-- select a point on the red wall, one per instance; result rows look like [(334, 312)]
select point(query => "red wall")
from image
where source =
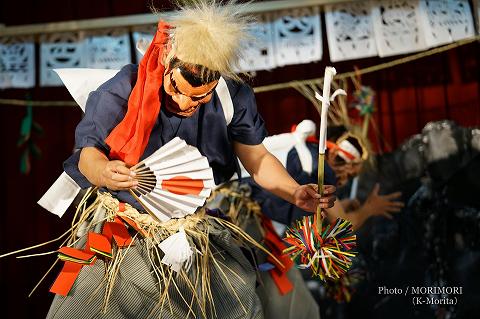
[(408, 96)]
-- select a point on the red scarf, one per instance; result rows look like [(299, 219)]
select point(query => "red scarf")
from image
[(129, 138)]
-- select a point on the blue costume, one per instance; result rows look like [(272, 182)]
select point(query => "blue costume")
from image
[(107, 106), (136, 290)]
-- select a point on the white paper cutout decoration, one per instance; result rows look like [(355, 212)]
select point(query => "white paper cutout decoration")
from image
[(143, 35), (177, 251), (297, 36), (397, 25), (174, 181), (259, 51), (446, 21), (350, 31), (17, 63), (108, 49), (61, 50)]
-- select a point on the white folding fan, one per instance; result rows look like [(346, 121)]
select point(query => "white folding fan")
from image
[(174, 181)]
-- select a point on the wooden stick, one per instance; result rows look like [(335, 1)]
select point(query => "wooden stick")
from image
[(145, 189), (147, 181), (325, 99), (148, 185), (141, 170), (321, 175), (145, 176)]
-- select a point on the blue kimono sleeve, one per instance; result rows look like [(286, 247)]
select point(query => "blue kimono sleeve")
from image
[(104, 110), (247, 126)]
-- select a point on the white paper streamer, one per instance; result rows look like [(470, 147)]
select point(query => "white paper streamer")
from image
[(259, 51), (303, 130), (17, 63), (354, 188), (177, 251), (61, 50), (326, 98), (81, 82), (60, 195), (350, 31), (109, 49), (397, 25), (446, 21), (297, 36)]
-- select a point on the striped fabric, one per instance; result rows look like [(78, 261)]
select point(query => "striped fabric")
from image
[(136, 290), (297, 304)]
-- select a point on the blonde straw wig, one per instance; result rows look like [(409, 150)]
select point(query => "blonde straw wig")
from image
[(209, 34)]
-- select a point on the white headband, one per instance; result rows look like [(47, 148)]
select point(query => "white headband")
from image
[(348, 147)]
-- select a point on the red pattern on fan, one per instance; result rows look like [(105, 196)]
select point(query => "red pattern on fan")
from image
[(183, 185)]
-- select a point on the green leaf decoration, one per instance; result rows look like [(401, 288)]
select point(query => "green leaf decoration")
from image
[(35, 150), (27, 127), (25, 162)]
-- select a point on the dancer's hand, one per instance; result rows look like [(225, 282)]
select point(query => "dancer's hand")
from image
[(307, 198), (382, 205), (116, 176)]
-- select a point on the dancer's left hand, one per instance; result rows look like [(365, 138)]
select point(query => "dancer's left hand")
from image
[(307, 198)]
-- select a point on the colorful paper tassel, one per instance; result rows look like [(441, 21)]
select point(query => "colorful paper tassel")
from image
[(328, 252)]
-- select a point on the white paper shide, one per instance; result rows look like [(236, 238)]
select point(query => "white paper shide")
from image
[(177, 251)]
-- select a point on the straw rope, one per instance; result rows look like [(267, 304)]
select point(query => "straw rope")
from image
[(371, 69)]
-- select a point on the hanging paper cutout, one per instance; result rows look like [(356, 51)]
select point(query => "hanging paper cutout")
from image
[(142, 37), (297, 36), (397, 26), (58, 51), (446, 21), (259, 52), (350, 31), (17, 63), (108, 49)]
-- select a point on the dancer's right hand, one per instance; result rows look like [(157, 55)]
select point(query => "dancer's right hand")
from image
[(117, 176), (102, 172)]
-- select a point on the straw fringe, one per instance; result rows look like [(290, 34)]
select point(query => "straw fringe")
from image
[(106, 208), (196, 227)]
